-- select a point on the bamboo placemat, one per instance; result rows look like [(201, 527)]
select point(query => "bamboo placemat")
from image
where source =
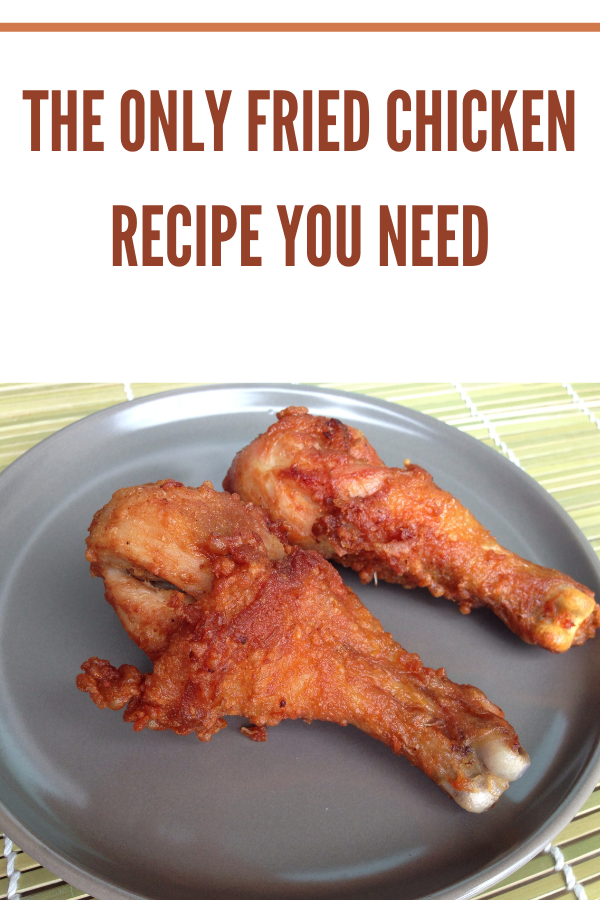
[(551, 430)]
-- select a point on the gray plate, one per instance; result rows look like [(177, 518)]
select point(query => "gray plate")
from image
[(319, 810)]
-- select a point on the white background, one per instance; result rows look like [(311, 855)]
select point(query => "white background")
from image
[(529, 312)]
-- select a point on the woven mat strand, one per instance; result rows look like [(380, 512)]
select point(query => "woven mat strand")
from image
[(550, 430)]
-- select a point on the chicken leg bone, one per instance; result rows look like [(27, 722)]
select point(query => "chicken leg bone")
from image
[(274, 633), (329, 485)]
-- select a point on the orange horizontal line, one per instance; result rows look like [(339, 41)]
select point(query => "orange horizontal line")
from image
[(302, 26)]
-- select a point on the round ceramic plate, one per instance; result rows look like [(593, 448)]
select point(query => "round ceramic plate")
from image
[(316, 811)]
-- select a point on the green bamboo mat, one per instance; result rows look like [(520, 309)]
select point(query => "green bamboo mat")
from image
[(551, 430)]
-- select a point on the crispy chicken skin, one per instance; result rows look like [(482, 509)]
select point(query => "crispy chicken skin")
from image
[(329, 485), (149, 545), (237, 622)]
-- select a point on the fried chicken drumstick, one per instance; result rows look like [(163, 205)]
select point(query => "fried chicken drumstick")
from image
[(238, 622), (329, 485)]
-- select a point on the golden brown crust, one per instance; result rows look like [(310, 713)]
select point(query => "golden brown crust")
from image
[(149, 580), (326, 481), (279, 636), (107, 686)]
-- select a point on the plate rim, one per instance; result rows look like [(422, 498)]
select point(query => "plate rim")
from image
[(82, 879)]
